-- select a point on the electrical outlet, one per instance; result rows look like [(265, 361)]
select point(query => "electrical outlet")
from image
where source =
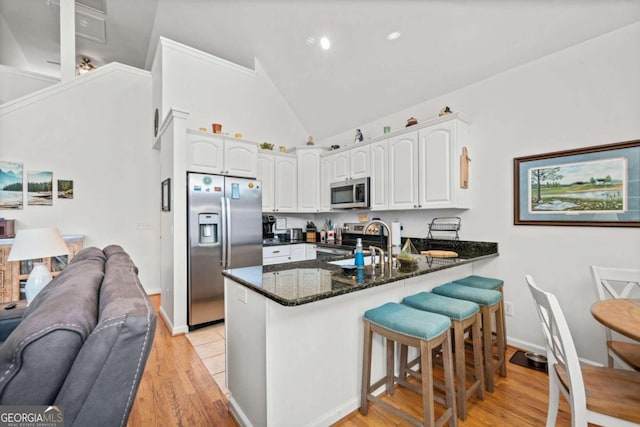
[(508, 308), (143, 226), (242, 294)]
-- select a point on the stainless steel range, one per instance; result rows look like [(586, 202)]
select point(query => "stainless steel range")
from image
[(351, 231)]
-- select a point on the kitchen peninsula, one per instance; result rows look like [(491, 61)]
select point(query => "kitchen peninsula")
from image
[(294, 333)]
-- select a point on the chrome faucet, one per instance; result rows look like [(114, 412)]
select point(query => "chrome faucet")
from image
[(389, 240), (373, 250)]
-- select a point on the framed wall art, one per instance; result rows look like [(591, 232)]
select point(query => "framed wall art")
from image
[(39, 188), (166, 195), (592, 186), (11, 185)]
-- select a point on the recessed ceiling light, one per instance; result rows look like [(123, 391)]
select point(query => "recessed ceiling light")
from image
[(392, 36), (325, 43)]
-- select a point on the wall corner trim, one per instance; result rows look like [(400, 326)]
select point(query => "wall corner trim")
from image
[(173, 113)]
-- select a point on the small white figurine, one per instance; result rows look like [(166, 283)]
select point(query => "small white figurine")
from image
[(359, 137)]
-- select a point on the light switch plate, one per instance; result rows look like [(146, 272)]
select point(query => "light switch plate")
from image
[(242, 294)]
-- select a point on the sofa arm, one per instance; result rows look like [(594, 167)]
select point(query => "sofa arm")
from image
[(9, 320)]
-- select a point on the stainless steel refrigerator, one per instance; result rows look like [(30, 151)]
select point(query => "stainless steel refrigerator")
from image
[(225, 231)]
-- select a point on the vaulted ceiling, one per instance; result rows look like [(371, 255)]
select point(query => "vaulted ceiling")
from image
[(442, 45)]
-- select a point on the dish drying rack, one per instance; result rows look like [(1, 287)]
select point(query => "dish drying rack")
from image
[(448, 225)]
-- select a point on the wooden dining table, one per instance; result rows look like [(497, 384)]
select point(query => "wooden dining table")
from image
[(621, 315)]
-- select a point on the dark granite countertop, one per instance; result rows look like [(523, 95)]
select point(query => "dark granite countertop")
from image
[(297, 283)]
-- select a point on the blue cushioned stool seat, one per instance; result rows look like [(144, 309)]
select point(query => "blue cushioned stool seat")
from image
[(455, 309), (408, 321), (481, 282), (484, 297)]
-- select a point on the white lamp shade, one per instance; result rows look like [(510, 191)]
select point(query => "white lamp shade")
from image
[(36, 243)]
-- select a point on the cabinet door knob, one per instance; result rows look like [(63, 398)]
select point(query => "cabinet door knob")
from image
[(415, 206)]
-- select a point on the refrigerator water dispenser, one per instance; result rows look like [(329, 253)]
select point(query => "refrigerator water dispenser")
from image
[(209, 225)]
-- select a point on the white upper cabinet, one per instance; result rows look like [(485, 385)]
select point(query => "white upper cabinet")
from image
[(425, 165), (220, 155), (326, 176), (403, 171), (286, 184), (240, 158), (266, 174), (278, 173), (379, 191), (205, 154), (308, 180), (350, 164), (359, 158)]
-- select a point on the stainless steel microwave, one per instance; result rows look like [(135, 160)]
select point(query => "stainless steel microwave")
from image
[(350, 194)]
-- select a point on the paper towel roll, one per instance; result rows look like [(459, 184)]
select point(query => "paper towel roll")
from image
[(395, 240)]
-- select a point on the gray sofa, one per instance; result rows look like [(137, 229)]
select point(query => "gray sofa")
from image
[(82, 343)]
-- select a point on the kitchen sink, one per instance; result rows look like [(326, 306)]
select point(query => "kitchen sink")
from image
[(350, 261)]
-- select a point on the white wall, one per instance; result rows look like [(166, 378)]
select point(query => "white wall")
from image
[(582, 96), (93, 130), (213, 90), (15, 83)]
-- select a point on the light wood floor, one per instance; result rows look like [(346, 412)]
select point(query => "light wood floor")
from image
[(177, 389)]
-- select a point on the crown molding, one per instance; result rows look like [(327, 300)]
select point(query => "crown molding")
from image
[(30, 74), (57, 88), (188, 50)]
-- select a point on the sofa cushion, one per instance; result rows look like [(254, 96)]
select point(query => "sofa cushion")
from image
[(113, 357), (46, 342)]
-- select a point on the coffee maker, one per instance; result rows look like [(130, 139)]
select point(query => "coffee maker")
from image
[(267, 226)]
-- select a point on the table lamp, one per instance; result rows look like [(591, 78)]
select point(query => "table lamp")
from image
[(36, 243)]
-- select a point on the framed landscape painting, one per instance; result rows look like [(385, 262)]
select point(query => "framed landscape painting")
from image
[(39, 188), (10, 185), (593, 186)]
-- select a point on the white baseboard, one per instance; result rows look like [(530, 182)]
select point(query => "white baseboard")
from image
[(525, 345), (238, 414)]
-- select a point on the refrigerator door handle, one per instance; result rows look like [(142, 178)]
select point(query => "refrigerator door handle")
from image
[(225, 237), (228, 232)]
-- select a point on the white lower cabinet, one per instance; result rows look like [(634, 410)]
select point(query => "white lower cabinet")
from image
[(288, 253), (298, 252), (310, 251), (276, 254)]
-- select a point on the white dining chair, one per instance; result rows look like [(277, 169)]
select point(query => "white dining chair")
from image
[(598, 395), (618, 283)]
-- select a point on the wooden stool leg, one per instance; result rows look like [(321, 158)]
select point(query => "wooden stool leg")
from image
[(391, 351), (366, 368), (487, 347), (461, 374), (404, 359), (502, 343), (426, 366), (449, 386), (477, 354)]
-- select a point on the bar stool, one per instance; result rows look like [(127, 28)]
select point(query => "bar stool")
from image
[(415, 328), (481, 282), (489, 302), (463, 315)]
